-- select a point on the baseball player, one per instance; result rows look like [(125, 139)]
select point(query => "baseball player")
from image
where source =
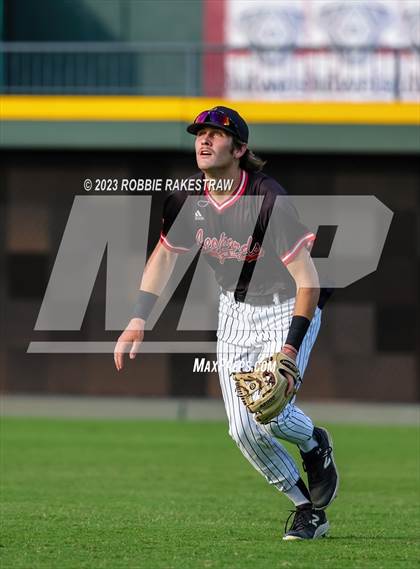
[(270, 301)]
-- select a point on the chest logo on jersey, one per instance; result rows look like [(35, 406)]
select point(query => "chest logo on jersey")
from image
[(224, 247), (198, 216)]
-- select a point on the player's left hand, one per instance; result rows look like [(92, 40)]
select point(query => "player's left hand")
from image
[(264, 390)]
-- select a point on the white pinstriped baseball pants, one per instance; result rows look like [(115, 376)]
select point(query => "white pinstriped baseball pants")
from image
[(246, 334)]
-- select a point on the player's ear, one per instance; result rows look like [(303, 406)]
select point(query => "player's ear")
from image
[(239, 151)]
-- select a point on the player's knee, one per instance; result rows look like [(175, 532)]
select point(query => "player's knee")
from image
[(277, 427), (272, 429), (281, 419)]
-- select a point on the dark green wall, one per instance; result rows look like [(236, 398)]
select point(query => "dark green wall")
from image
[(62, 20), (114, 135), (164, 20), (99, 20)]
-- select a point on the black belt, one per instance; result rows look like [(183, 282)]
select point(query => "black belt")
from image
[(260, 300)]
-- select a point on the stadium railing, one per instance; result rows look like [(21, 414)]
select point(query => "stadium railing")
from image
[(151, 69)]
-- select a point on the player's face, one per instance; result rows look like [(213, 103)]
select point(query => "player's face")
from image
[(213, 149)]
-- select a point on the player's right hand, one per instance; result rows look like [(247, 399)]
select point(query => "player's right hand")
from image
[(129, 342)]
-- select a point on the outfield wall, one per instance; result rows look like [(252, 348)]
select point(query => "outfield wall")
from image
[(76, 122)]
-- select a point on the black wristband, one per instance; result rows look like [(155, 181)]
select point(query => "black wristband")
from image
[(144, 305), (297, 331)]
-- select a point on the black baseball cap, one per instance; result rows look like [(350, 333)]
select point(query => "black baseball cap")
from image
[(224, 118)]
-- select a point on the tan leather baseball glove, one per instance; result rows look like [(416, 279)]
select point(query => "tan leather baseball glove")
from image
[(263, 390)]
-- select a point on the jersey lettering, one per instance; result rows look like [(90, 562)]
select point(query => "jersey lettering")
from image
[(224, 247)]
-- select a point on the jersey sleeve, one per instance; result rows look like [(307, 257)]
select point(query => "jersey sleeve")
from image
[(176, 233), (285, 232)]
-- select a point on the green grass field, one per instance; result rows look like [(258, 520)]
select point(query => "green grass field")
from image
[(124, 494)]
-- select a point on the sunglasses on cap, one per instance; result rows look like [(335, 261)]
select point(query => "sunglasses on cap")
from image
[(217, 118)]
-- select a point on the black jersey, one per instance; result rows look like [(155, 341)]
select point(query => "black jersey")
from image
[(233, 236)]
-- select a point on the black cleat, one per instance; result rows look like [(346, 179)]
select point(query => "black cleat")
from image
[(321, 470), (308, 523)]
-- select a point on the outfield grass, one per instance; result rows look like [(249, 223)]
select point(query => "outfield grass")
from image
[(150, 495)]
